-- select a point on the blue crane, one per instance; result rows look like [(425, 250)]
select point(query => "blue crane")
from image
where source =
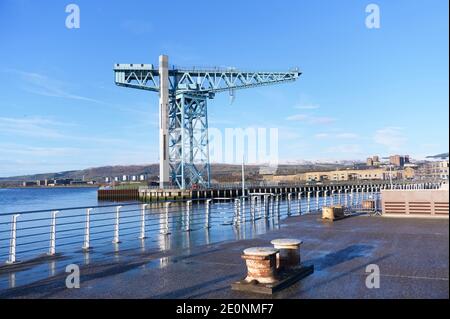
[(183, 95)]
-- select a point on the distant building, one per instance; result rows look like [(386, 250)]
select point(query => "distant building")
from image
[(369, 161), (59, 182), (142, 177), (116, 179), (399, 160), (29, 183), (124, 178), (78, 182), (134, 178), (42, 182)]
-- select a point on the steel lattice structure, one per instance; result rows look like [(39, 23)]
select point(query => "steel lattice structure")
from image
[(183, 94)]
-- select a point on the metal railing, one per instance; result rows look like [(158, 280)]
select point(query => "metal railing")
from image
[(27, 235)]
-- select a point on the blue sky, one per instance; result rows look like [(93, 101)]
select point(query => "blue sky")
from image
[(362, 92)]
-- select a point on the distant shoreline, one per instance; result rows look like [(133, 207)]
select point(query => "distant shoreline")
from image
[(60, 186)]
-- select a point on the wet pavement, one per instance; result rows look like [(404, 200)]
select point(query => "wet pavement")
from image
[(412, 255)]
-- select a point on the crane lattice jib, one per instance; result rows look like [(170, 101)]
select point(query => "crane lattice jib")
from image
[(199, 81)]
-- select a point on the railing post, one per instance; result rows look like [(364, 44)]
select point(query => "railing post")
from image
[(308, 203), (12, 241), (87, 226), (352, 199), (277, 204), (208, 214), (346, 197), (317, 200), (252, 207), (235, 212), (289, 204), (165, 230), (325, 198), (332, 197), (142, 235), (52, 249), (299, 204), (265, 206), (188, 216), (339, 196), (242, 210), (116, 238)]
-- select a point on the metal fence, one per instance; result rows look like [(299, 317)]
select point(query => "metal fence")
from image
[(27, 235)]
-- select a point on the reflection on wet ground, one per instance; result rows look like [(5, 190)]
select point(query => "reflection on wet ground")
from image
[(46, 266)]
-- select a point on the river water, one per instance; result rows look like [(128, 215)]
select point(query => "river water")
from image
[(34, 229)]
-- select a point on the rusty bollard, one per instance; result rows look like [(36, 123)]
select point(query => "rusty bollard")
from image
[(289, 252), (261, 264)]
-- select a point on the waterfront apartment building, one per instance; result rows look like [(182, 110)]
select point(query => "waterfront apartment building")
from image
[(352, 175), (438, 170), (381, 173)]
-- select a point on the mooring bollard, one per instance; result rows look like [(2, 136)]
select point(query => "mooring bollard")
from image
[(289, 252), (116, 239), (289, 199), (52, 249), (142, 234), (12, 240), (208, 214), (261, 264), (86, 244)]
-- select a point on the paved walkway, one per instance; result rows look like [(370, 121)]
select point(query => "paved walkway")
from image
[(412, 255)]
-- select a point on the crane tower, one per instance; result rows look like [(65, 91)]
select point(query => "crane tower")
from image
[(183, 119)]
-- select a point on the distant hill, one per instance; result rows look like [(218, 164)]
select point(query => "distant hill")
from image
[(95, 173), (219, 172)]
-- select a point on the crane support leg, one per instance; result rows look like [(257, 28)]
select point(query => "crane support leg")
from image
[(188, 140), (163, 121)]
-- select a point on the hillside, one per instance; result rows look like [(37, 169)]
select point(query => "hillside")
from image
[(219, 172)]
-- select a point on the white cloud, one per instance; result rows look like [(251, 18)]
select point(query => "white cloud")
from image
[(311, 119), (391, 137), (47, 128), (30, 126), (42, 85)]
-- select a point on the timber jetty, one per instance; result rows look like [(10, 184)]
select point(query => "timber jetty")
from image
[(149, 194)]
